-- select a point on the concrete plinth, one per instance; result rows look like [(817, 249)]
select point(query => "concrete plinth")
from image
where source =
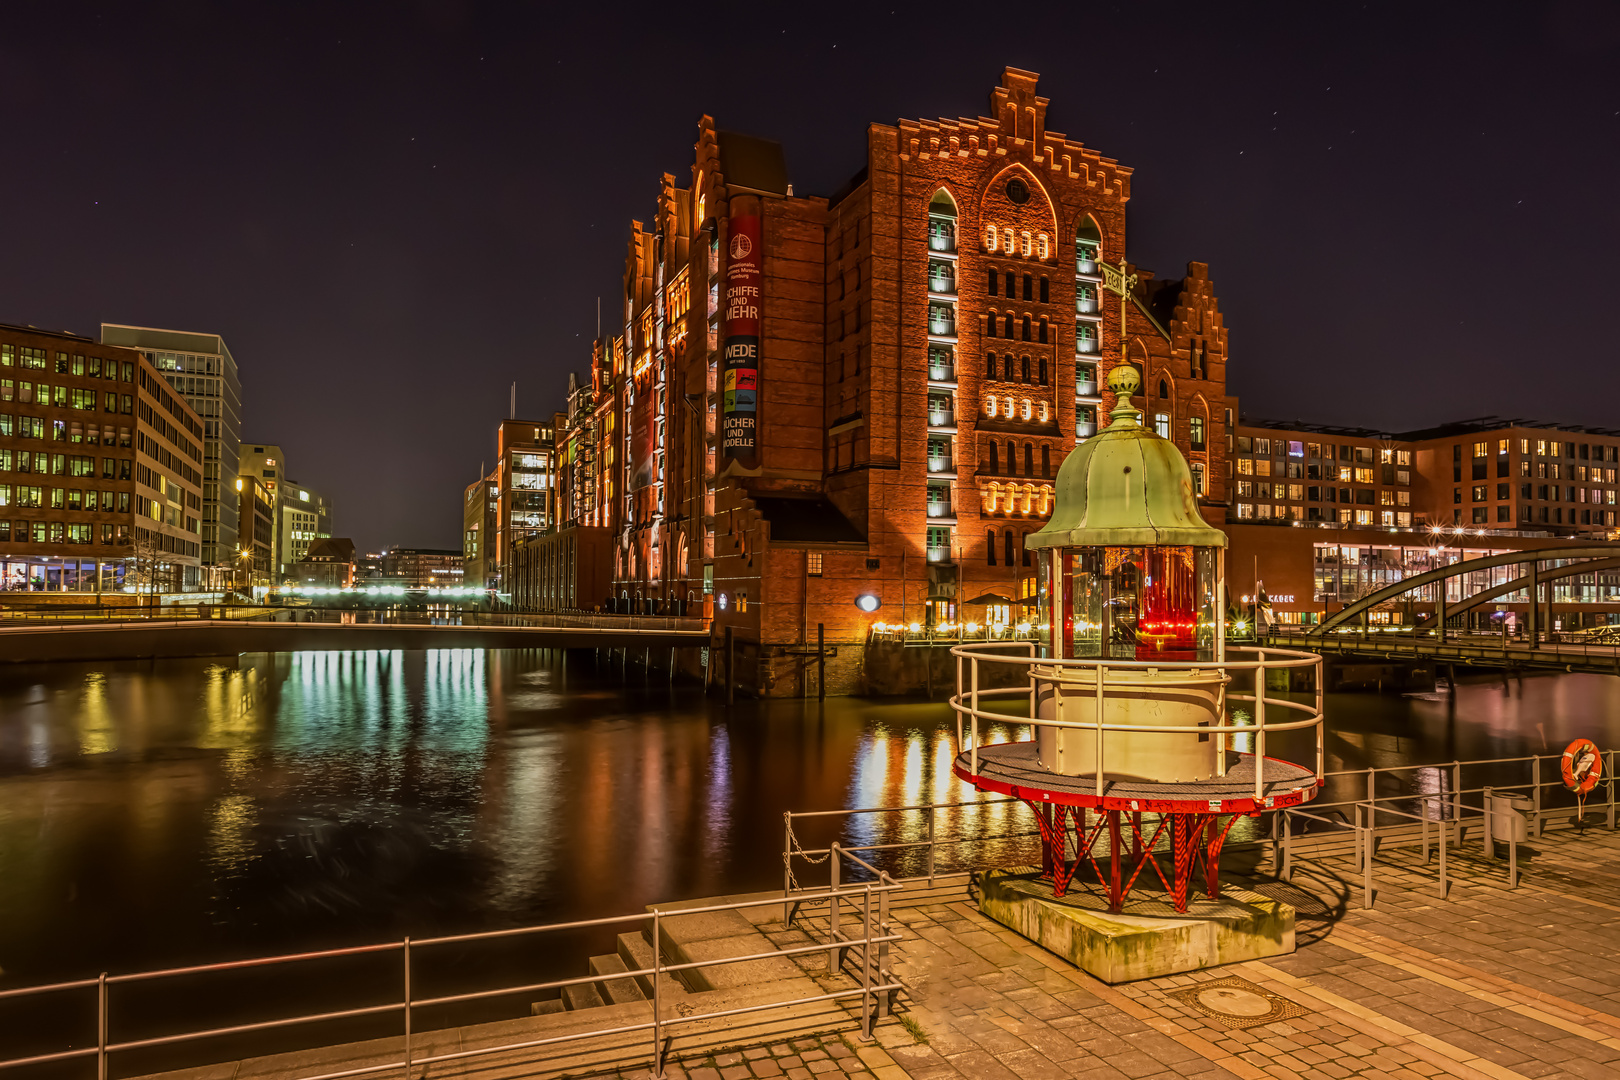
[(1149, 939)]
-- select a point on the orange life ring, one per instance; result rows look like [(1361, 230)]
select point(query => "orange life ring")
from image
[(1582, 766)]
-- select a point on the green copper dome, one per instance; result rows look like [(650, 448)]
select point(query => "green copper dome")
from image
[(1125, 486)]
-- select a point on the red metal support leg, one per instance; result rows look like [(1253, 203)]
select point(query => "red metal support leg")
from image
[(1116, 893), (1183, 840), (1212, 861)]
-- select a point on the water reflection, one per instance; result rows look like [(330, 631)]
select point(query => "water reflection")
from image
[(160, 813)]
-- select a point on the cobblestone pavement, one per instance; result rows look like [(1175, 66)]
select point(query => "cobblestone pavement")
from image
[(1489, 983), (826, 1058)]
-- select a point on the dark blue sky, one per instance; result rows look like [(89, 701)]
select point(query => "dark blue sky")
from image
[(393, 210)]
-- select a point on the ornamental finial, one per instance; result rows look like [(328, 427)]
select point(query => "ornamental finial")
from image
[(1124, 381)]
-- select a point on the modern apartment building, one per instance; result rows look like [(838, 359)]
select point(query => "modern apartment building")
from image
[(267, 465), (480, 502), (201, 368), (423, 568), (306, 516), (100, 469)]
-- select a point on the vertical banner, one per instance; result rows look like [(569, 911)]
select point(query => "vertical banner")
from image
[(741, 371)]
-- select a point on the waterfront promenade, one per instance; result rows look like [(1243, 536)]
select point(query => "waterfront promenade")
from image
[(1489, 983)]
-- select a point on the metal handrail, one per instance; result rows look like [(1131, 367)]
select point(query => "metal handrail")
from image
[(872, 990), (1263, 663)]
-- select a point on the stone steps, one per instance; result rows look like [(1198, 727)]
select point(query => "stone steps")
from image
[(615, 991)]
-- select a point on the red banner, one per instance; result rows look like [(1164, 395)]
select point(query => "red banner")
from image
[(740, 372)]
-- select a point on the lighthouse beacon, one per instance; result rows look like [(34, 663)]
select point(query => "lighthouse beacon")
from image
[(1148, 732)]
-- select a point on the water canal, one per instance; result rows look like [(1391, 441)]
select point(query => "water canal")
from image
[(155, 814)]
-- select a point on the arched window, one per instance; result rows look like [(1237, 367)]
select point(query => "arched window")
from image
[(1025, 249), (1007, 539), (1044, 249), (1012, 458), (989, 365), (1007, 242), (1164, 389), (1029, 459), (942, 222), (1046, 461), (992, 468), (1043, 369), (990, 236), (1029, 288), (990, 325), (990, 405), (1046, 290), (1087, 246), (992, 277), (1024, 372), (1007, 373), (1026, 327), (990, 545), (1012, 285), (1043, 332), (1008, 326)]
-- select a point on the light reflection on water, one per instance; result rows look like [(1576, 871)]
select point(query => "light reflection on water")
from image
[(161, 813)]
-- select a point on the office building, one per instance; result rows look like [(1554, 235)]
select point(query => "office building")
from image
[(101, 469), (201, 369), (306, 516), (423, 568)]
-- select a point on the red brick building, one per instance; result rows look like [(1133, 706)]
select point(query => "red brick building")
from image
[(810, 398)]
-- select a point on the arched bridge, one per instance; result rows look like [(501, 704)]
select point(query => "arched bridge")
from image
[(1444, 634)]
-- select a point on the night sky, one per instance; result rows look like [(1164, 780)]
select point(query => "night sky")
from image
[(392, 211)]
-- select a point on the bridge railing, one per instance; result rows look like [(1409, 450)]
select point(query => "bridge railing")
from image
[(177, 615)]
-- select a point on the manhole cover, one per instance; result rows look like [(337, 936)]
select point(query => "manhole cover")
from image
[(1237, 1003)]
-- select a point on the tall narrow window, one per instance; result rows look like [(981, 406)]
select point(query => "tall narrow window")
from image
[(992, 282), (1029, 459), (990, 546), (1029, 288), (1007, 540), (1046, 461), (1026, 327), (990, 325), (1012, 285), (1008, 325), (1043, 371), (991, 465), (1164, 389), (1043, 332), (1195, 433), (1012, 459), (1024, 369), (1007, 368), (989, 365), (1046, 291)]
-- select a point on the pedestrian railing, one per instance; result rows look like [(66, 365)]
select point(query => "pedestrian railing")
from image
[(1448, 810), (1302, 833), (868, 931)]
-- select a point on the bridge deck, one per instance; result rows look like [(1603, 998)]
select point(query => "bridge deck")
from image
[(1480, 649), (218, 637)]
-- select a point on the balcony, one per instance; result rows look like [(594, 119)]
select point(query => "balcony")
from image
[(941, 411), (942, 320), (1085, 429), (1085, 388), (941, 465), (942, 235), (1085, 258), (1085, 300), (941, 278), (1085, 340), (940, 554)]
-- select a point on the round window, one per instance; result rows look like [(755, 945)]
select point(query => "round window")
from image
[(1017, 191)]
